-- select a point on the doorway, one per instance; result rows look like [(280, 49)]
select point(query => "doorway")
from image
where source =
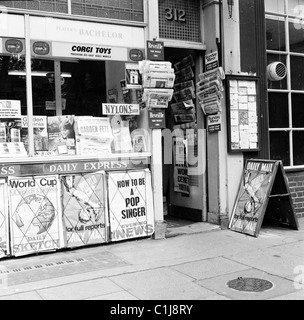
[(184, 184)]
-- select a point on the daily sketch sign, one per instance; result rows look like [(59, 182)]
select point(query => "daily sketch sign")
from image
[(263, 193)]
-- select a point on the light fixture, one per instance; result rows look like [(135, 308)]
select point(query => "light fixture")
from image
[(230, 7), (37, 73)]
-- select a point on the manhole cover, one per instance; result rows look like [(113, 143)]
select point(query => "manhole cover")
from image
[(250, 285)]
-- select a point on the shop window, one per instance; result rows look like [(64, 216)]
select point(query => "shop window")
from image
[(180, 20), (297, 73), (277, 6), (248, 37), (60, 6), (298, 111), (129, 10), (278, 110), (285, 43), (280, 85), (296, 37), (280, 147), (275, 35), (298, 148), (12, 84)]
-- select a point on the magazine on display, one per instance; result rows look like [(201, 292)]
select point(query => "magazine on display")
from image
[(40, 134), (61, 135)]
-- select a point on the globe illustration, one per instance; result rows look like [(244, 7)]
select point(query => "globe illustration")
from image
[(35, 211)]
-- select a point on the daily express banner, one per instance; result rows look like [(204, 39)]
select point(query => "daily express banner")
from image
[(35, 216), (85, 209), (130, 205), (4, 242)]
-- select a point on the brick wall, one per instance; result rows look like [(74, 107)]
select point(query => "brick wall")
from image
[(296, 185)]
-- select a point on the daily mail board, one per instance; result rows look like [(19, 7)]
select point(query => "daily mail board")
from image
[(35, 215), (130, 205), (85, 209)]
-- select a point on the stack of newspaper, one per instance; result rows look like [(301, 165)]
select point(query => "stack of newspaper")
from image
[(209, 90), (158, 82)]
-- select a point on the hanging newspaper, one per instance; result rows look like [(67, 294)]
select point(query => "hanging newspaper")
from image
[(158, 80), (85, 209), (35, 215), (4, 223), (158, 98), (133, 76), (146, 65), (130, 205), (183, 114)]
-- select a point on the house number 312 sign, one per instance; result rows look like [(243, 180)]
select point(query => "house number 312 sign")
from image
[(174, 14)]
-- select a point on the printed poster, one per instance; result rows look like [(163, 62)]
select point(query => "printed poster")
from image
[(253, 192), (85, 209), (4, 234), (130, 205), (35, 215)]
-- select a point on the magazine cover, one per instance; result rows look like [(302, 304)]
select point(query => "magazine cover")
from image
[(130, 205), (40, 134), (35, 215), (10, 130), (85, 209), (61, 135), (4, 234)]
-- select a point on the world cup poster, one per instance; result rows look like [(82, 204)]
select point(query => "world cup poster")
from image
[(4, 235), (130, 205), (35, 215), (85, 209)]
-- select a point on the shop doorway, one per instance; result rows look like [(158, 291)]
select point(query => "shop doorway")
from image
[(185, 186)]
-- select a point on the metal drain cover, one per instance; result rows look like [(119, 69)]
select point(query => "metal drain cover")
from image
[(250, 285)]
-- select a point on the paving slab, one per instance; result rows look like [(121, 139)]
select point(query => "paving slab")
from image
[(162, 284), (26, 296), (209, 268), (219, 285), (122, 295), (80, 290), (271, 260)]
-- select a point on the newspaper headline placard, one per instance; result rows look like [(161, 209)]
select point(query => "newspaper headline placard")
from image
[(263, 195), (35, 215), (10, 109), (85, 209), (93, 136), (4, 221), (130, 205)]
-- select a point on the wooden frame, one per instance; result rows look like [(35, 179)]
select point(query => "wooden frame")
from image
[(243, 113)]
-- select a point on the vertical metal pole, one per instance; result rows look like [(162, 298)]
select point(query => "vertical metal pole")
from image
[(58, 88), (29, 91)]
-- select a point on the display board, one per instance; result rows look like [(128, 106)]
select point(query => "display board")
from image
[(84, 209), (130, 205), (263, 195), (243, 114), (4, 234), (35, 215)]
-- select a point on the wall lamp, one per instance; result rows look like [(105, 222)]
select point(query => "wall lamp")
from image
[(230, 7)]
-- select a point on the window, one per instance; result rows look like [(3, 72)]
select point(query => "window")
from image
[(285, 43)]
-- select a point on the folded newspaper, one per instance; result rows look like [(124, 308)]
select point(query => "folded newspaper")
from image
[(158, 98)]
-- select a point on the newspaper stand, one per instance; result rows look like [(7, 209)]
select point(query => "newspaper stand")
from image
[(263, 195)]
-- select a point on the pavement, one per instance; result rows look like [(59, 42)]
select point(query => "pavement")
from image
[(195, 262)]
